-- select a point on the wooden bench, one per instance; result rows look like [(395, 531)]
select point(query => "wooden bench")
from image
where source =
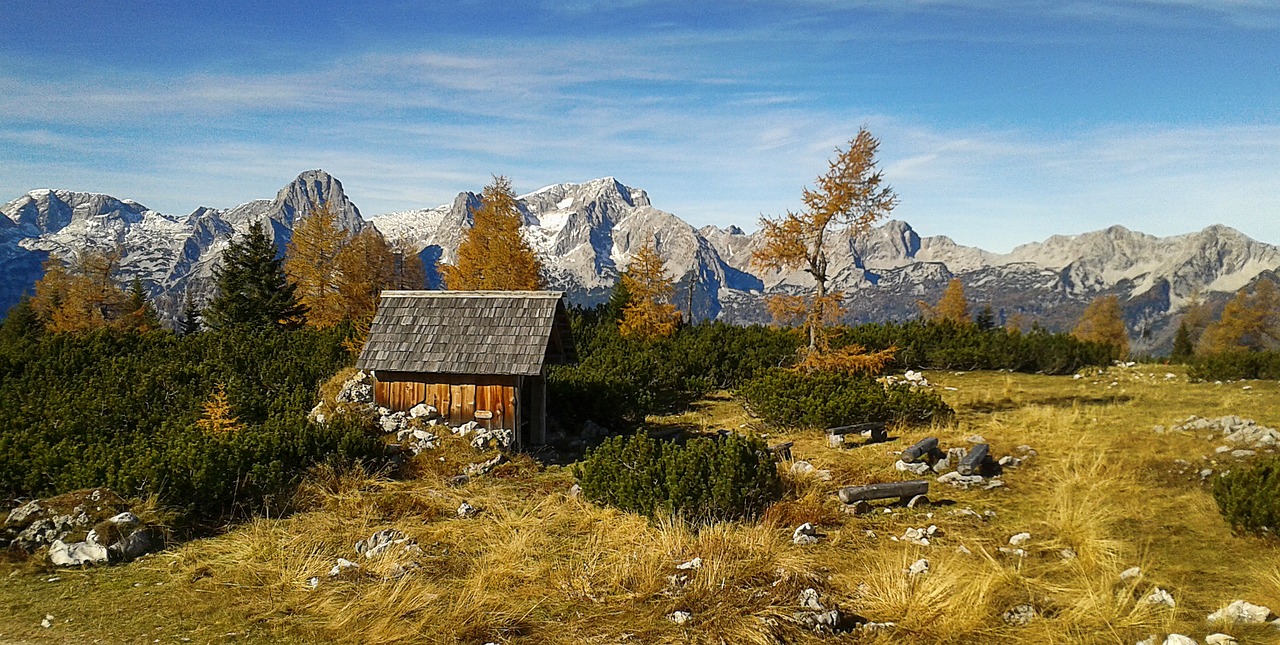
[(875, 429), (889, 490)]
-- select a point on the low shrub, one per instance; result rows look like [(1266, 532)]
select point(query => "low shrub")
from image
[(1249, 496), (793, 399), (703, 480), (123, 410), (1235, 366), (948, 345)]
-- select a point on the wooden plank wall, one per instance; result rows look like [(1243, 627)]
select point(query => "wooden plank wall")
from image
[(457, 401)]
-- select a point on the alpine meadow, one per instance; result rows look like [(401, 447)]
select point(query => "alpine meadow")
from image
[(567, 415)]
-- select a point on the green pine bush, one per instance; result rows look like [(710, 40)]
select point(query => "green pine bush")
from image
[(1235, 366), (704, 480), (792, 399), (1249, 496)]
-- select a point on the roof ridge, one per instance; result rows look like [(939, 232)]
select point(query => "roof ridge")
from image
[(471, 294)]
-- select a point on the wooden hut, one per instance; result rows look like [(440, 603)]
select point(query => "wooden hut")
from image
[(474, 355)]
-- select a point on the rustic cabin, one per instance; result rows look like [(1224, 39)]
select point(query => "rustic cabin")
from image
[(474, 355)]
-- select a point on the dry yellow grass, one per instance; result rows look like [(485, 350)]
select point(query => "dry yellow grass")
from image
[(537, 566)]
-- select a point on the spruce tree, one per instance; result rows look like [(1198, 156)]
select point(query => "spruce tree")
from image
[(252, 288), (986, 318), (1183, 348), (190, 317), (139, 313)]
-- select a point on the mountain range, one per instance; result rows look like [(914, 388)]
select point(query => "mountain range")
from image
[(586, 233)]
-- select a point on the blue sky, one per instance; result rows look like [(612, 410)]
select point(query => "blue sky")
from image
[(1001, 122)]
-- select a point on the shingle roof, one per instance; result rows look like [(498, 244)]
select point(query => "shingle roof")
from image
[(467, 332)]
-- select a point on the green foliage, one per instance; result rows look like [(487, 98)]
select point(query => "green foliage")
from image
[(620, 380), (1249, 496), (119, 409), (704, 480), (190, 322), (947, 345), (792, 399), (1234, 366), (1183, 347), (252, 288)]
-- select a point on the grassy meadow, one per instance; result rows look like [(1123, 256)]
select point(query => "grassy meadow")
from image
[(537, 565)]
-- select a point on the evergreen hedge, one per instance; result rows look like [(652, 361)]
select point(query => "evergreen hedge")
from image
[(792, 399), (1249, 496), (119, 409), (1235, 366), (701, 481), (960, 346)]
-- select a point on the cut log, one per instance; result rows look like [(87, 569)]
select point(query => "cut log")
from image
[(858, 428), (973, 461), (782, 451), (890, 490), (926, 446)]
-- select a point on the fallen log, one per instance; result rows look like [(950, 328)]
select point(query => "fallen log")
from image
[(858, 428), (889, 490), (926, 446), (782, 451), (973, 462)]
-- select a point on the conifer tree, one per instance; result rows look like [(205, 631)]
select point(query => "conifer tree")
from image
[(252, 288), (311, 263), (1183, 348), (190, 316), (649, 313), (365, 266), (79, 297), (20, 322), (1102, 322), (1250, 322), (139, 313), (850, 196), (408, 270), (494, 255), (986, 318), (218, 415), (952, 307)]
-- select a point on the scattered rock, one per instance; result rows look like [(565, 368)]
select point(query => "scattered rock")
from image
[(1179, 639), (917, 468), (835, 441), (378, 543), (805, 534), (1130, 574), (422, 410), (466, 510), (47, 621), (357, 389), (1158, 596), (1026, 451), (1009, 461), (483, 468), (679, 617), (1242, 453), (1020, 616), (920, 536), (977, 438), (575, 491), (918, 500), (1021, 553), (918, 568), (1019, 539), (809, 600), (462, 480), (801, 468), (1220, 639), (344, 570), (695, 563), (1240, 612), (961, 481), (77, 553), (964, 550), (1067, 553)]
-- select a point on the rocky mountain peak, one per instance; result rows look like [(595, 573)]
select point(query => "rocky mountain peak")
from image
[(313, 188)]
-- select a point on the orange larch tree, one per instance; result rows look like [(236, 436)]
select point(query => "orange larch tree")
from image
[(310, 262), (649, 312), (850, 196), (494, 255)]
